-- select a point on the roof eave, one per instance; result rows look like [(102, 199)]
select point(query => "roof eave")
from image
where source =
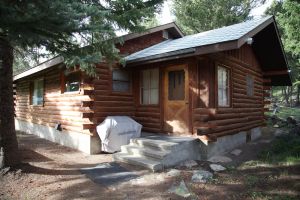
[(171, 25), (50, 63), (212, 48), (162, 57), (242, 40)]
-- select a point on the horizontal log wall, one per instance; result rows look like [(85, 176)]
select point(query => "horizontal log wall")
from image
[(82, 112), (245, 112), (107, 102), (110, 103), (67, 109)]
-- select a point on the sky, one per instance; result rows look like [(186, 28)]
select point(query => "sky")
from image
[(166, 15)]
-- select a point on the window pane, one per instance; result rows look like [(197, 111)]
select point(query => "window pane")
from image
[(145, 96), (220, 97), (121, 80), (154, 78), (120, 75), (38, 92), (149, 86), (176, 85), (146, 78), (154, 96), (223, 86), (121, 86), (250, 85)]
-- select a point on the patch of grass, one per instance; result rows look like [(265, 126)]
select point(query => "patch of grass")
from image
[(285, 112), (231, 169), (252, 164), (258, 195), (251, 180), (285, 150), (263, 196)]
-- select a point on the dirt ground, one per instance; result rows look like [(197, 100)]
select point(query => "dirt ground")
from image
[(51, 171)]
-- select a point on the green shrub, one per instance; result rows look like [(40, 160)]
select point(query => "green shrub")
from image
[(285, 149)]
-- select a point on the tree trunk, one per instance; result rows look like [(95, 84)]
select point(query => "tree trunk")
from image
[(290, 94), (298, 96), (286, 96), (8, 139)]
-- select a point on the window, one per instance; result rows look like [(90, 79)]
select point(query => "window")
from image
[(223, 87), (176, 85), (149, 86), (121, 80), (72, 81), (37, 92), (250, 85)]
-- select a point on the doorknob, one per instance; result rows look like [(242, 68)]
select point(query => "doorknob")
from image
[(186, 103)]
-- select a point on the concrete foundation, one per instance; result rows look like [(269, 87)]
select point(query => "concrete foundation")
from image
[(226, 143), (82, 142), (255, 133)]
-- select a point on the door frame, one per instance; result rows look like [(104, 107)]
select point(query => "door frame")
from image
[(165, 85)]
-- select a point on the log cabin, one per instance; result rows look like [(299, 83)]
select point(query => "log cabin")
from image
[(212, 85)]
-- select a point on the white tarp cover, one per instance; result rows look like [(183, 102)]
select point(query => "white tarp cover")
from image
[(116, 131)]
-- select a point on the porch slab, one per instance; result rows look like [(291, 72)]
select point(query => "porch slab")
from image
[(158, 151)]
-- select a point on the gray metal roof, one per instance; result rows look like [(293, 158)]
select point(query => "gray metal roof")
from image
[(188, 43)]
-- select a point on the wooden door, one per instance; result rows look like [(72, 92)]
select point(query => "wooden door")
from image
[(176, 104)]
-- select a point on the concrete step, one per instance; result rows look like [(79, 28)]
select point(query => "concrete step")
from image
[(151, 164), (156, 152), (144, 151), (154, 144)]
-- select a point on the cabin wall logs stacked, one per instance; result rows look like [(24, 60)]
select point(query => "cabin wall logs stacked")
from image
[(245, 112), (109, 103), (81, 112), (67, 109)]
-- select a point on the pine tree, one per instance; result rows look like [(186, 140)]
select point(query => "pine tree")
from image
[(61, 27), (195, 16)]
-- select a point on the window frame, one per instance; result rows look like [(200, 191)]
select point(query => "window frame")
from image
[(32, 92), (141, 88), (229, 86), (130, 82), (63, 81)]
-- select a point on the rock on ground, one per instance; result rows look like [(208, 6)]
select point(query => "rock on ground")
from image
[(173, 173), (219, 159), (236, 152), (180, 190), (279, 132), (201, 176), (276, 126), (217, 168), (265, 141)]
